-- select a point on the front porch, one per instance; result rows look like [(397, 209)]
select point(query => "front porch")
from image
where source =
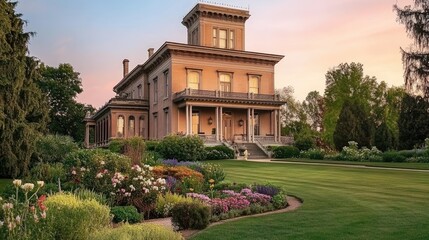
[(231, 124)]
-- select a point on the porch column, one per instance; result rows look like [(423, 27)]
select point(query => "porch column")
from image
[(87, 135), (109, 128), (248, 125), (279, 126), (217, 123), (253, 125), (221, 123), (187, 119), (275, 125), (190, 120)]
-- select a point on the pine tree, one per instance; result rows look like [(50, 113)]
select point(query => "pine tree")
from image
[(416, 60), (353, 124), (23, 108), (413, 122)]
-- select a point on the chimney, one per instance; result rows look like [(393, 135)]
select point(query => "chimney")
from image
[(125, 64), (150, 52)]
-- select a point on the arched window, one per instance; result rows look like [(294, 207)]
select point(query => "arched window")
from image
[(120, 125), (131, 126)]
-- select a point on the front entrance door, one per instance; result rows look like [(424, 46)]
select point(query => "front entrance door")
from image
[(227, 126)]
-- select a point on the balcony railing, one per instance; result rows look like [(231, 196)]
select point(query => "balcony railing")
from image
[(225, 95)]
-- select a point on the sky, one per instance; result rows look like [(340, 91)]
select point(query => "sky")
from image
[(94, 36)]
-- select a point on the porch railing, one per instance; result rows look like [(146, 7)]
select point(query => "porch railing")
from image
[(226, 95)]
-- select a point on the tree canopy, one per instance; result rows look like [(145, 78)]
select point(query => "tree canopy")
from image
[(416, 58), (23, 109)]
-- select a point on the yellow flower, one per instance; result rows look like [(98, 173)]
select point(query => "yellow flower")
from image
[(212, 186), (211, 181), (191, 189)]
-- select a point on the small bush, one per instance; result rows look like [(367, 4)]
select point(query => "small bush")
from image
[(279, 201), (219, 152), (195, 215), (117, 145), (71, 218), (49, 172), (151, 145), (166, 202), (286, 152), (125, 214), (54, 148), (393, 156), (188, 148), (146, 231), (267, 189), (305, 143), (178, 172), (85, 194), (312, 153), (212, 171)]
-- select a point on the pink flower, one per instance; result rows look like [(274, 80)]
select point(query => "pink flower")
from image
[(43, 215)]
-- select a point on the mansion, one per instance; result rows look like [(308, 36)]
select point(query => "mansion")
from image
[(209, 87)]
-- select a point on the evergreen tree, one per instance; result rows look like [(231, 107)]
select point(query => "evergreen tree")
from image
[(353, 124), (384, 138), (416, 59), (413, 122), (23, 109)]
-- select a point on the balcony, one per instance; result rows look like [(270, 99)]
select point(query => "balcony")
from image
[(219, 96)]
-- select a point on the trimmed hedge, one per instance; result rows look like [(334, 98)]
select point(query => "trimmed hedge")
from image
[(195, 215), (219, 152), (286, 152), (182, 148), (126, 214)]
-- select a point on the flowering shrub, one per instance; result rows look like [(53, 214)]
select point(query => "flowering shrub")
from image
[(353, 153), (140, 188), (178, 172), (26, 219), (167, 201), (253, 197), (313, 153), (267, 189), (212, 171)]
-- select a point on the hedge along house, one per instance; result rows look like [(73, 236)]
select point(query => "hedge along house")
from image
[(209, 87)]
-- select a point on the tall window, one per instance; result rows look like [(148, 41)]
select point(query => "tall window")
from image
[(253, 84), (223, 38), (193, 79), (131, 126), (155, 125), (141, 126), (139, 91), (166, 121), (166, 84), (214, 37), (195, 122), (231, 40), (120, 126), (155, 90), (225, 82)]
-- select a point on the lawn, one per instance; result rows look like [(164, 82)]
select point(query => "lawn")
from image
[(424, 166), (339, 203)]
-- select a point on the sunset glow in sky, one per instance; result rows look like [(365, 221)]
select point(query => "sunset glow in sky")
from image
[(95, 36)]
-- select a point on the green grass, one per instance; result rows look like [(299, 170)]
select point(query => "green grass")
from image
[(339, 203), (424, 166), (4, 183)]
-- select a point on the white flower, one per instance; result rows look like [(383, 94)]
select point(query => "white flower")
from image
[(18, 219), (1, 224), (132, 188), (82, 169), (43, 214), (36, 218), (150, 168), (40, 183), (145, 190), (17, 182), (102, 163), (155, 188), (99, 175), (127, 194), (140, 177), (1, 199), (7, 206), (73, 172), (11, 226), (135, 179), (27, 187)]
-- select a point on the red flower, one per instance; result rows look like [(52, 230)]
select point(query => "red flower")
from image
[(40, 201)]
